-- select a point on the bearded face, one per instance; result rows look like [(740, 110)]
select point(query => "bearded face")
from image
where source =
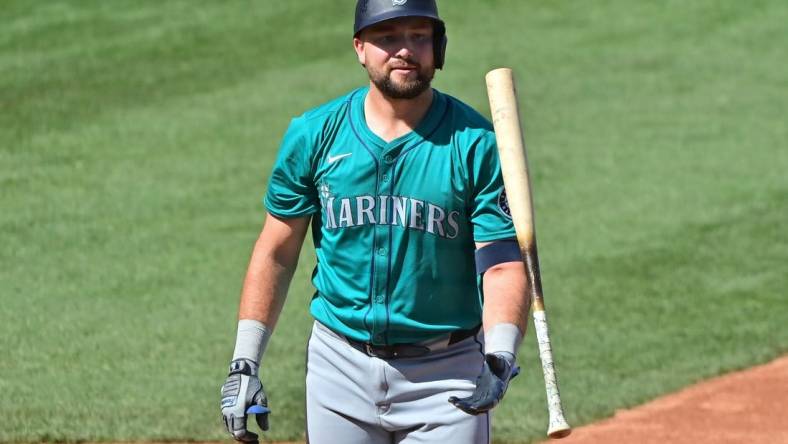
[(398, 55), (401, 79)]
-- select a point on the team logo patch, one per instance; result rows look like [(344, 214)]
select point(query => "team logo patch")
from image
[(324, 190), (398, 2), (503, 204)]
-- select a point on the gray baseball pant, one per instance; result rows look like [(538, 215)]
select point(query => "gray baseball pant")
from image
[(354, 398)]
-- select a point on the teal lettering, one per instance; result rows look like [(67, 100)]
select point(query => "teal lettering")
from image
[(415, 214), (382, 216), (345, 214), (329, 208), (435, 217), (398, 212), (453, 223), (362, 209)]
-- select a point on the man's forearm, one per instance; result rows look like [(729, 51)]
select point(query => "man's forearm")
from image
[(274, 260), (506, 299), (265, 286)]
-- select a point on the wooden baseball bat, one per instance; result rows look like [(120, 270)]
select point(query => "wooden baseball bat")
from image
[(514, 166)]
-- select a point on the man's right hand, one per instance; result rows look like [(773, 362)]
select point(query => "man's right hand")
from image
[(499, 368), (243, 393)]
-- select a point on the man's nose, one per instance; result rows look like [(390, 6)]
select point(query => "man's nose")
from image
[(405, 51)]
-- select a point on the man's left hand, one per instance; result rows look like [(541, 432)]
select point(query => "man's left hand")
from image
[(242, 394), (499, 368)]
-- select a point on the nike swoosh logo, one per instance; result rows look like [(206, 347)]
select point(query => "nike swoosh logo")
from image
[(332, 159)]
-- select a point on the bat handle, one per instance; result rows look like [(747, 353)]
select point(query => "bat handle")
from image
[(557, 425)]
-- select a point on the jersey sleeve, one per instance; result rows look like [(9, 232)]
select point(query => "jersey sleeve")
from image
[(291, 188), (489, 209)]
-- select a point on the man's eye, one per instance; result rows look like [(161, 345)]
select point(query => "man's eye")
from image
[(386, 39)]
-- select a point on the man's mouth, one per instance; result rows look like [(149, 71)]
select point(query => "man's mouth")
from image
[(404, 67)]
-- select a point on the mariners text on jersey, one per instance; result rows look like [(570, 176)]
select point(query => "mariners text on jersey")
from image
[(389, 210), (394, 222)]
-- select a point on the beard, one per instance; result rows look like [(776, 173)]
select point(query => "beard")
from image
[(405, 89)]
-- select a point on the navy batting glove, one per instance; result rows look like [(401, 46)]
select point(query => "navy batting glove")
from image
[(499, 368), (242, 394)]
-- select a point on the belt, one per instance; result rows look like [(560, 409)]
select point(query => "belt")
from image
[(396, 351)]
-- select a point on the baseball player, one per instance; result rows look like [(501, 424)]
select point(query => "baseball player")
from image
[(402, 188)]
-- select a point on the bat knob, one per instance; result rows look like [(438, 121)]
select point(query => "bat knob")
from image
[(558, 428), (561, 433)]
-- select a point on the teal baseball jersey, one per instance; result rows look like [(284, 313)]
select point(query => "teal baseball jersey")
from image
[(393, 223)]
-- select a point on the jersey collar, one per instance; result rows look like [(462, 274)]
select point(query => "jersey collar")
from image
[(423, 131)]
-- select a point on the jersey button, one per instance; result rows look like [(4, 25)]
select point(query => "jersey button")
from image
[(387, 158), (385, 178), (381, 251), (379, 298)]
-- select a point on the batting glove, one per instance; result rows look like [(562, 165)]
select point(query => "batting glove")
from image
[(242, 394), (499, 368)]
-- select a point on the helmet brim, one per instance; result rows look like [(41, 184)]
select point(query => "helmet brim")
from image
[(391, 15)]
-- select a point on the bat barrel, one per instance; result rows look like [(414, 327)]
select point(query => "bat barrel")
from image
[(511, 150)]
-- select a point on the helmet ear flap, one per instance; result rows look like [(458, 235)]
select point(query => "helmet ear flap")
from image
[(439, 45), (440, 52)]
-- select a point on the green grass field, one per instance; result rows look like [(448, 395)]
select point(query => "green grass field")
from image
[(136, 138)]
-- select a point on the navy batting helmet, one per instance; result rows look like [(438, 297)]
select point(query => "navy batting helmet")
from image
[(370, 12)]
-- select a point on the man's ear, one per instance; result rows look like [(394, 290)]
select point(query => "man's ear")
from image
[(358, 45)]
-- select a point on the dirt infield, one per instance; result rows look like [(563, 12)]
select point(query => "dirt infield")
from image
[(749, 406)]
